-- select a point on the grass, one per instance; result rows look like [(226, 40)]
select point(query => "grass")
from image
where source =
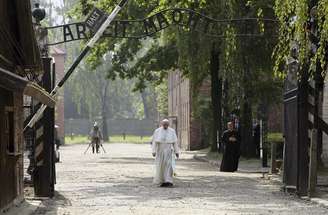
[(129, 139), (78, 139)]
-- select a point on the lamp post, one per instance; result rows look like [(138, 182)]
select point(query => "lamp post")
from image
[(41, 33), (38, 15)]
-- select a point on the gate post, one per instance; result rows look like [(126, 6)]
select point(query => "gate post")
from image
[(44, 148), (303, 134), (291, 122)]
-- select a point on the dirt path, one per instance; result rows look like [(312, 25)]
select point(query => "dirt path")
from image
[(120, 182)]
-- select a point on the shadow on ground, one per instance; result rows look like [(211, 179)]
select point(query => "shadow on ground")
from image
[(124, 179), (52, 205)]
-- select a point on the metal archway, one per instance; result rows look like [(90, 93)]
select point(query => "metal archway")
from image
[(185, 18)]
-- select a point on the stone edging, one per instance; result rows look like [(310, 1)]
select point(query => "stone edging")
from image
[(205, 159)]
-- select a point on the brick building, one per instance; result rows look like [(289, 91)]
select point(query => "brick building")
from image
[(188, 128), (325, 117), (59, 59)]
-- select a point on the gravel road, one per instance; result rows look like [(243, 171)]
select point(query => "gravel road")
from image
[(120, 182)]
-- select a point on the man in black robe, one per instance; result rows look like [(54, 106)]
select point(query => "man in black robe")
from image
[(231, 152), (257, 137)]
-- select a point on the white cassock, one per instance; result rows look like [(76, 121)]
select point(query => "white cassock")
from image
[(164, 143)]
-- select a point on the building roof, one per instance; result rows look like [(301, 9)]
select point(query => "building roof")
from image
[(19, 47), (15, 83), (11, 81), (56, 51)]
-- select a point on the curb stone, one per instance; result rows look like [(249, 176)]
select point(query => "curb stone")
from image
[(320, 201), (217, 164), (205, 159)]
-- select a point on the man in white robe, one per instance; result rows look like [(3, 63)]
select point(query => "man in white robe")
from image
[(164, 143)]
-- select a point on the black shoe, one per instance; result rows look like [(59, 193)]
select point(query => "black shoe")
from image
[(168, 184)]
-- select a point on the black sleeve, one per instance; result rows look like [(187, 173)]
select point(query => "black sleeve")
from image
[(224, 138), (238, 140)]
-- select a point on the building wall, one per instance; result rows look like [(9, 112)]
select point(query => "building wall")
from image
[(144, 127), (276, 118), (179, 106), (189, 129), (16, 21), (325, 118), (59, 57), (196, 126), (19, 141), (11, 160)]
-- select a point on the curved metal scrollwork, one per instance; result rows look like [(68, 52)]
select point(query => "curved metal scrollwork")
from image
[(185, 18)]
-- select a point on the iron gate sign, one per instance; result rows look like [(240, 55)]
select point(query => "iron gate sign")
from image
[(95, 19), (140, 28)]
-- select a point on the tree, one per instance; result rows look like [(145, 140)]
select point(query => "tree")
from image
[(104, 98), (216, 95), (191, 52), (244, 72), (303, 26)]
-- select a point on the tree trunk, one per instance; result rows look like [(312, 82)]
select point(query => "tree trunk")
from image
[(216, 93), (225, 100), (104, 126), (248, 148), (145, 104), (104, 112)]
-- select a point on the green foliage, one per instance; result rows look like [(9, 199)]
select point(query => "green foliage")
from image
[(80, 139), (92, 90), (245, 62), (131, 59), (130, 139), (76, 139), (293, 17), (275, 137), (162, 98)]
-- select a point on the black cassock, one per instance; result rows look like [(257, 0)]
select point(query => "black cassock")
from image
[(231, 151)]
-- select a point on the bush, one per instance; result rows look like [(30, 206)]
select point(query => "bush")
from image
[(275, 137)]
